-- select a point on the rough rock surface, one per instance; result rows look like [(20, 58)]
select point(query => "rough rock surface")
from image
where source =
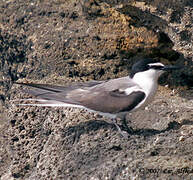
[(64, 41)]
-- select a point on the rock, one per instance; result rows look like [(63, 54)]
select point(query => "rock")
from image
[(60, 42)]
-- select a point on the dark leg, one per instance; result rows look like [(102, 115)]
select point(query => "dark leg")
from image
[(128, 129), (123, 133)]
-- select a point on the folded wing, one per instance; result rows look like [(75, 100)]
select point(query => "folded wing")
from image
[(107, 97)]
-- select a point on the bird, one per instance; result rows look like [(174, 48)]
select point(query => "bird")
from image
[(109, 98)]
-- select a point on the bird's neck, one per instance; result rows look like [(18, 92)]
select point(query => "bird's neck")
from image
[(147, 82)]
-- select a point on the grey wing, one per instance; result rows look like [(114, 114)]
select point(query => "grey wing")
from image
[(44, 91), (111, 96), (105, 96), (113, 101)]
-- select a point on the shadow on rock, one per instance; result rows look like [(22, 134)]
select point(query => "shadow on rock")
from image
[(171, 126), (86, 128)]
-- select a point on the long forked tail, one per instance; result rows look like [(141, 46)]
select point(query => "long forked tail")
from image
[(46, 95), (43, 103)]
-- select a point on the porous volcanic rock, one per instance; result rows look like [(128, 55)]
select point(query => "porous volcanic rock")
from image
[(65, 41)]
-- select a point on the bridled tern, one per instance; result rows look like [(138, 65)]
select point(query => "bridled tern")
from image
[(109, 97)]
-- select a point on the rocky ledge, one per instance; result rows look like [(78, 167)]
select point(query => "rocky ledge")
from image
[(64, 41)]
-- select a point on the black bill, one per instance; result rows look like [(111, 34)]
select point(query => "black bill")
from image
[(171, 67)]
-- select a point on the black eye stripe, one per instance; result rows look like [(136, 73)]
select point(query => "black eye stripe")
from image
[(156, 67)]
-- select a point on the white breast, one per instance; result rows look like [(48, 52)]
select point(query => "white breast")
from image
[(147, 81)]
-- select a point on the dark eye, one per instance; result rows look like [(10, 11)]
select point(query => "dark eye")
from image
[(148, 67)]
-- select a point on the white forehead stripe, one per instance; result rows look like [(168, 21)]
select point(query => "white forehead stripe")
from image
[(155, 64)]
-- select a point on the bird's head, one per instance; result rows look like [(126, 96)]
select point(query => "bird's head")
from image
[(150, 68)]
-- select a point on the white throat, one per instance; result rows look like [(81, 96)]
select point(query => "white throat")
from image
[(147, 80)]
